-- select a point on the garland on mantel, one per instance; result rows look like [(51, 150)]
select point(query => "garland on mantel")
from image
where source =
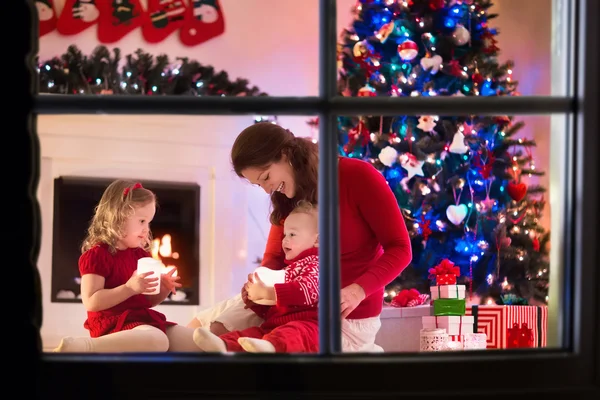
[(142, 74)]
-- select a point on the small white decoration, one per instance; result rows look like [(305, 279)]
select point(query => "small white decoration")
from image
[(456, 214), (458, 145), (432, 63), (388, 156)]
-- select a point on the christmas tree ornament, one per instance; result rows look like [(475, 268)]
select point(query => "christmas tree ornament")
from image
[(432, 64), (456, 213), (388, 156), (461, 35), (458, 145), (367, 91), (412, 166), (408, 50), (362, 49), (386, 31), (516, 190)]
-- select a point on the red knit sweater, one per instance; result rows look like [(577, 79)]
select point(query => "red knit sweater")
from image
[(374, 242), (298, 297)]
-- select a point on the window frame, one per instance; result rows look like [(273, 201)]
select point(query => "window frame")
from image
[(572, 369)]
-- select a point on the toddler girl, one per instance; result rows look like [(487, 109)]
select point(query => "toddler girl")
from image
[(119, 314)]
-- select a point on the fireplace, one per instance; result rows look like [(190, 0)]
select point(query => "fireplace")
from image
[(175, 230)]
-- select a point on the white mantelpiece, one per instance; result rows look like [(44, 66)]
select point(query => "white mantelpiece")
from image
[(159, 148)]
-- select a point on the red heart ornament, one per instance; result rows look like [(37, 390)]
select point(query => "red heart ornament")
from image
[(517, 191)]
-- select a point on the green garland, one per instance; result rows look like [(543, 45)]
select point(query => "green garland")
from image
[(141, 74)]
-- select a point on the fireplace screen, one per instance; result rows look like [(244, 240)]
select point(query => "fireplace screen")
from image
[(175, 229)]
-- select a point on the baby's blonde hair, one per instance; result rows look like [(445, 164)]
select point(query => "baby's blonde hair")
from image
[(306, 207), (118, 202)]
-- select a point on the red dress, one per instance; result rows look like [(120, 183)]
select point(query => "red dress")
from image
[(116, 269)]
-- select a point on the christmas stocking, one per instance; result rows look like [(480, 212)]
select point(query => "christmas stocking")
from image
[(204, 21), (46, 16), (166, 16), (77, 16), (118, 18)]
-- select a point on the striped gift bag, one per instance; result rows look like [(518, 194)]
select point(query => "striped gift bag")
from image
[(495, 321)]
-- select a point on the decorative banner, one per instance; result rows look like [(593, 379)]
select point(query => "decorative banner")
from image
[(204, 21), (46, 16), (77, 16), (166, 16), (118, 18)]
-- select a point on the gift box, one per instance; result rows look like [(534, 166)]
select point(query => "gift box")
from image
[(401, 327), (445, 279), (444, 273), (449, 307), (511, 326), (447, 292), (454, 325)]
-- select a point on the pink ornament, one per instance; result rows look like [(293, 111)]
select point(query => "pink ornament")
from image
[(408, 50)]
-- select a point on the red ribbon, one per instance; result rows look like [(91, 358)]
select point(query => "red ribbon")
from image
[(446, 267), (128, 189)]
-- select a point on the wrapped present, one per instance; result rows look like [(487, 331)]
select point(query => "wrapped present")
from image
[(455, 342), (409, 298), (474, 341), (444, 273), (511, 326), (447, 292), (449, 307), (433, 340), (400, 328), (454, 325)]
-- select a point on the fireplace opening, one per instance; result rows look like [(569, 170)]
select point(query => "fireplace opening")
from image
[(175, 230)]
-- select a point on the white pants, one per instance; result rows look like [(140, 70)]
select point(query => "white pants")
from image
[(358, 335)]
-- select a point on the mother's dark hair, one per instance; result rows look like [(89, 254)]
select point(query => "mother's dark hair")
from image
[(264, 143)]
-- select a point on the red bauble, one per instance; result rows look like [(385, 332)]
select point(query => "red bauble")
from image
[(516, 191), (408, 50)]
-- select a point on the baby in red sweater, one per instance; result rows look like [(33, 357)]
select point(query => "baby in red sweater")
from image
[(291, 325)]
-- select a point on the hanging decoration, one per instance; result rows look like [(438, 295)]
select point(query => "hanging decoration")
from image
[(196, 20)]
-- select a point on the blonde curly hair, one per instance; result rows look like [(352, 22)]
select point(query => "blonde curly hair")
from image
[(118, 202)]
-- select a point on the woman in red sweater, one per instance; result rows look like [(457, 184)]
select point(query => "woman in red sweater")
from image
[(374, 243)]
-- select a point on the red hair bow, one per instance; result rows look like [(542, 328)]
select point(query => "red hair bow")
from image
[(128, 189), (446, 267), (409, 298)]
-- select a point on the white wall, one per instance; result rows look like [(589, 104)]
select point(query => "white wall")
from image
[(272, 43)]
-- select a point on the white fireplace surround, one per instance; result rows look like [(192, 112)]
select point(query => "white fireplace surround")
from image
[(160, 148)]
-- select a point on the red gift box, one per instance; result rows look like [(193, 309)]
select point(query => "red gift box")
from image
[(511, 326), (444, 273), (445, 279)]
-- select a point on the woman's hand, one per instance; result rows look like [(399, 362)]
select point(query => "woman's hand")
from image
[(169, 281), (350, 298), (247, 302), (141, 284)]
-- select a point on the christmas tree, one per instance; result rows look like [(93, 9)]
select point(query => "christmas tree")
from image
[(461, 182)]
